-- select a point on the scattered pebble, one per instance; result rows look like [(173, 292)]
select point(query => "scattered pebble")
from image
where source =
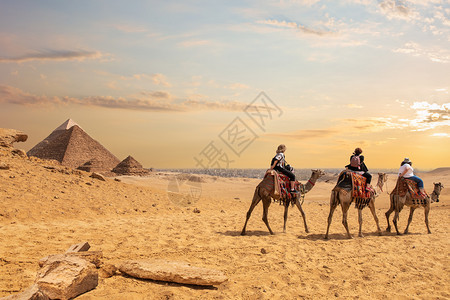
[(263, 251)]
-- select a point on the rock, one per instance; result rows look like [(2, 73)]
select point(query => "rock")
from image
[(196, 210), (117, 179), (67, 278), (31, 293), (98, 176), (172, 271), (94, 257), (79, 247), (10, 136), (4, 167), (19, 152), (263, 251), (107, 270)]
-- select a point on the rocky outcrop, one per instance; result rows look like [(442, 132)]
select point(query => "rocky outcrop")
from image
[(172, 271), (31, 293), (10, 136), (66, 278)]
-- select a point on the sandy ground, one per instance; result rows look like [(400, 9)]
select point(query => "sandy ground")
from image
[(45, 208)]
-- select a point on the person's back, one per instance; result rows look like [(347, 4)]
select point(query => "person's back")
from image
[(357, 164)]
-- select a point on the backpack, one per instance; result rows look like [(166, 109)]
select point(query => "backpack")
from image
[(355, 162)]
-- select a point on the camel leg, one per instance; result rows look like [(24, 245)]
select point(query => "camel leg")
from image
[(345, 207), (299, 206), (411, 212), (374, 214), (360, 220), (398, 209), (266, 204), (255, 201), (286, 208), (396, 217), (427, 210), (333, 205), (389, 212)]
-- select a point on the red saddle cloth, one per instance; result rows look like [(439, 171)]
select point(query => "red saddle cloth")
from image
[(405, 185), (285, 187), (359, 187)]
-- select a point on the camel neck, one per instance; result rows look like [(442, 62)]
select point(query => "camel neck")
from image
[(310, 184)]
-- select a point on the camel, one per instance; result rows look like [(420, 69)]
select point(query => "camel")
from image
[(344, 198), (397, 204), (266, 194)]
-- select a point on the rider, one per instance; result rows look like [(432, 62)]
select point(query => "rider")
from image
[(407, 171), (278, 163), (359, 166)]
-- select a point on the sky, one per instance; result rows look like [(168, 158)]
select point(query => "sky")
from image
[(203, 84)]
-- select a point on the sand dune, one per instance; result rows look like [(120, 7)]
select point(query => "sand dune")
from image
[(45, 208)]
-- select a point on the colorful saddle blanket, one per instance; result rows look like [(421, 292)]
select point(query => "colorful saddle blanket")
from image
[(351, 181), (405, 185), (282, 187)]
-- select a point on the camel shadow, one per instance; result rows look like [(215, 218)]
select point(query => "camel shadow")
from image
[(338, 236), (167, 283), (247, 233)]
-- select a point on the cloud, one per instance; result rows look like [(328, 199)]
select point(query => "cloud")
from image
[(434, 54), (158, 79), (393, 9), (54, 55), (298, 27), (441, 134), (305, 134), (375, 124), (157, 101), (430, 115)]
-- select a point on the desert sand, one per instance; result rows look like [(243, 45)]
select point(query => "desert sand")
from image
[(45, 208)]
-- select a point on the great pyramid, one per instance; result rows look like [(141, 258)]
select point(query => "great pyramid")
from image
[(73, 147), (130, 166)]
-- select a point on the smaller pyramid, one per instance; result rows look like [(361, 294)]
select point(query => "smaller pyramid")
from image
[(130, 166)]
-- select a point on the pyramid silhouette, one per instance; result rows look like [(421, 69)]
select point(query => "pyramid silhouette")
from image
[(130, 166), (73, 147)]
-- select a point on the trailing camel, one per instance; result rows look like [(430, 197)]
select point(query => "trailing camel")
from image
[(397, 203), (344, 198), (265, 191)]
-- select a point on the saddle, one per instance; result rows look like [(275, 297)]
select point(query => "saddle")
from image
[(282, 187), (404, 186), (349, 181)]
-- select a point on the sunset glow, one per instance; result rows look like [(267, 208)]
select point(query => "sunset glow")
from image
[(162, 80)]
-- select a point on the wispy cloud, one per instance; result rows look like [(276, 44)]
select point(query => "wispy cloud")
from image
[(158, 79), (434, 54), (298, 27), (305, 134), (157, 101), (54, 55)]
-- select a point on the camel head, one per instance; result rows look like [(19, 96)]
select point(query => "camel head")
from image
[(436, 191), (382, 178), (317, 173)]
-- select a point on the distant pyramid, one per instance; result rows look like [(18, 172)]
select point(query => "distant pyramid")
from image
[(73, 147), (130, 166)]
